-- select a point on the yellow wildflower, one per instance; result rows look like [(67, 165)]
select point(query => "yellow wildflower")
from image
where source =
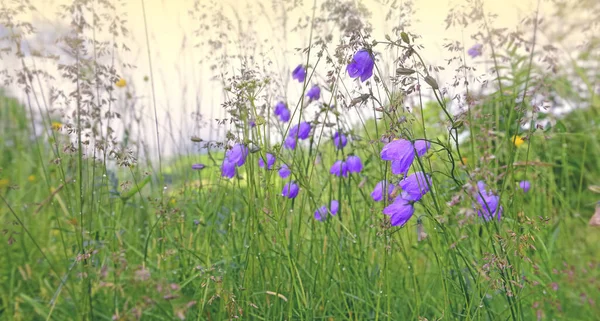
[(31, 178), (56, 126), (4, 182), (121, 83), (464, 160), (517, 140)]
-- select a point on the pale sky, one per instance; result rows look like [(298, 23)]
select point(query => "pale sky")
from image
[(175, 68)]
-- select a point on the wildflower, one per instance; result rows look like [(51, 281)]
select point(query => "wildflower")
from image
[(361, 65), (321, 213), (314, 93), (489, 203), (270, 161), (475, 51), (334, 207), (56, 126), (303, 130), (282, 111), (377, 193), (299, 73), (290, 190), (252, 123), (517, 140), (401, 153), (415, 186), (300, 131), (31, 178), (198, 166), (422, 146), (525, 186), (339, 168), (237, 154), (284, 171), (340, 140), (354, 164), (121, 83), (400, 211), (227, 168)]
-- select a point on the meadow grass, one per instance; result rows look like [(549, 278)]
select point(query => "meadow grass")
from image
[(92, 231)]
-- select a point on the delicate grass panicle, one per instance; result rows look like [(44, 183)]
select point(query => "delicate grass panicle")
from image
[(351, 179)]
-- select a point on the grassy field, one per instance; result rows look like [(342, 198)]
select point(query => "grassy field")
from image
[(91, 230)]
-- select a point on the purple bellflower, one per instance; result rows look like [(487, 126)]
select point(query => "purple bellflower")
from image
[(401, 153), (237, 154), (361, 65), (340, 140), (339, 168), (415, 186), (400, 211), (227, 168), (284, 171), (299, 73), (489, 203), (270, 161), (422, 146), (314, 93), (282, 111), (377, 193), (525, 186), (198, 166), (354, 164), (290, 190), (475, 51)]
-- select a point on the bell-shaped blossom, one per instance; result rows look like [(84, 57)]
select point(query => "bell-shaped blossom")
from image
[(354, 164), (339, 168), (270, 161), (525, 186), (422, 146), (198, 166), (227, 168), (290, 142), (299, 73), (290, 190), (475, 51), (340, 140), (284, 171), (361, 65), (282, 111), (237, 154), (334, 207), (400, 211), (377, 193), (489, 203), (321, 212), (314, 93), (415, 186), (401, 153)]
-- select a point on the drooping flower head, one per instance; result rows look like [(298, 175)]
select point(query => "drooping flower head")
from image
[(422, 146), (377, 193), (340, 140), (284, 171), (227, 168), (488, 202), (334, 207), (299, 131), (299, 73), (354, 164), (321, 213), (290, 142), (475, 51), (314, 93), (361, 65), (290, 190), (339, 168), (237, 154), (415, 186), (270, 161), (401, 153), (198, 167), (525, 186), (282, 111), (400, 211)]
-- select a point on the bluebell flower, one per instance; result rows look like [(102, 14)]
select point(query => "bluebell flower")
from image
[(354, 164), (252, 123), (314, 93), (237, 154), (290, 142), (377, 193), (475, 51), (525, 186), (299, 73), (300, 131), (270, 161), (401, 153), (198, 166), (303, 130), (339, 168), (334, 207), (414, 186), (400, 211), (489, 203), (361, 65), (282, 111), (227, 168), (321, 213), (340, 140), (290, 190), (422, 146), (284, 171)]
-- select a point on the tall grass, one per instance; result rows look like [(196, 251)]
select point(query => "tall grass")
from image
[(95, 227)]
